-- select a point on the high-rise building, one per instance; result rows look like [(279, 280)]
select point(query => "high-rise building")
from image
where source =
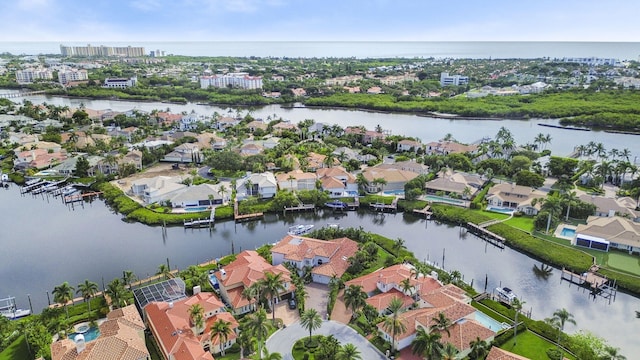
[(102, 51), (27, 76), (236, 80), (65, 76)]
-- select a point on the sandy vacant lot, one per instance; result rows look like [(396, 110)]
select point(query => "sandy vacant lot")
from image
[(161, 169)]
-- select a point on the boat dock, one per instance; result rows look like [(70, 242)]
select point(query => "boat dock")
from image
[(426, 212), (31, 185), (354, 205), (299, 207), (244, 217), (393, 207), (598, 284), (486, 235), (79, 197), (197, 223)]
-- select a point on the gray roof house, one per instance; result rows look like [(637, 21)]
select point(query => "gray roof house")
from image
[(199, 195)]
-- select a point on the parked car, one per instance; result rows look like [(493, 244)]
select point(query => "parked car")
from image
[(292, 304)]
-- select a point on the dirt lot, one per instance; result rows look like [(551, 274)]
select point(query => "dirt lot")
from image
[(161, 169)]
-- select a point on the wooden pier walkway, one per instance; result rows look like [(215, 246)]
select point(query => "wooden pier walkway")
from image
[(80, 197), (598, 284), (393, 207), (244, 217), (355, 204), (426, 212), (300, 207), (197, 223), (486, 235)]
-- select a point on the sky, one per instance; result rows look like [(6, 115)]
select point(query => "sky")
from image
[(319, 20)]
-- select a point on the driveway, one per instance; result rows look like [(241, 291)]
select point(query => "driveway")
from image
[(317, 298), (282, 340)]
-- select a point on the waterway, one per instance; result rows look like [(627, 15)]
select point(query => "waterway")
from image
[(45, 243), (425, 128)]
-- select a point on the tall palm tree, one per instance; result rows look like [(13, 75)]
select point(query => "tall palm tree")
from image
[(221, 329), (164, 270), (62, 294), (128, 277), (222, 191), (561, 317), (252, 294), (354, 298), (449, 352), (87, 289), (271, 356), (310, 320), (426, 343), (362, 182), (392, 323), (441, 323), (516, 304), (406, 286), (479, 349), (272, 285), (349, 352), (196, 315), (569, 198), (116, 291), (611, 353), (257, 326)]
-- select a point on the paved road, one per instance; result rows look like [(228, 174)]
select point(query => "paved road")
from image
[(282, 341)]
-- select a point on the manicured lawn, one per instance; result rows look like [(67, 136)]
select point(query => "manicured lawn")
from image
[(16, 351), (531, 346), (521, 222), (624, 262)]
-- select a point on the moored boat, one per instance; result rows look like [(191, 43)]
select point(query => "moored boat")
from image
[(299, 229), (336, 204), (505, 295), (9, 310)]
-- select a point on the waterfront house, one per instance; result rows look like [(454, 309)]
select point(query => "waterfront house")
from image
[(263, 185), (157, 189), (121, 338), (38, 159), (365, 136), (409, 165), (603, 233), (226, 122), (516, 197), (328, 258), (408, 145), (443, 147), (499, 354), (337, 181), (176, 334), (255, 125), (184, 153), (283, 126), (247, 269), (199, 195), (395, 179), (607, 207), (455, 183), (296, 180)]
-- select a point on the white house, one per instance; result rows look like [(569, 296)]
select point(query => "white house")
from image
[(263, 185)]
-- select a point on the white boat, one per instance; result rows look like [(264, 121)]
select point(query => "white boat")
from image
[(299, 229), (505, 295), (8, 309)]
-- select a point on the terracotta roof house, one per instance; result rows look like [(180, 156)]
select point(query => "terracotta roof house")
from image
[(251, 149), (247, 269), (285, 126), (602, 233), (408, 145), (516, 197), (38, 159), (455, 183), (396, 179), (337, 181), (317, 161), (498, 354), (449, 147), (366, 136), (327, 257), (255, 125), (177, 336), (409, 165), (121, 338), (211, 141), (296, 180)]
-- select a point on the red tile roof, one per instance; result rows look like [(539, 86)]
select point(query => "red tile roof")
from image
[(338, 251), (498, 354)]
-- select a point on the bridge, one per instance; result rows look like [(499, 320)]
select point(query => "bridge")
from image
[(21, 94)]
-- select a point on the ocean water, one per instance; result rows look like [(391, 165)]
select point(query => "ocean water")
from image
[(362, 49)]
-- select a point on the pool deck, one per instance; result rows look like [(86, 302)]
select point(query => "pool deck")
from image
[(558, 232)]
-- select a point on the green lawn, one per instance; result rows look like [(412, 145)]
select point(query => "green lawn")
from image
[(524, 223), (16, 351), (623, 261), (531, 346)]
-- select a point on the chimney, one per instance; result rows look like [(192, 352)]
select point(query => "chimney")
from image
[(80, 344), (196, 290), (171, 305)]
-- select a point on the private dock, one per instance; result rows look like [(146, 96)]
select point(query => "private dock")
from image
[(79, 197), (426, 212), (299, 207), (244, 217), (597, 284), (197, 223), (486, 235), (354, 205), (393, 207), (31, 185)]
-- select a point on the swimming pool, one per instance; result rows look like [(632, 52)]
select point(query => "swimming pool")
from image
[(196, 209), (489, 322), (568, 232), (89, 335), (500, 209), (441, 199), (394, 192)]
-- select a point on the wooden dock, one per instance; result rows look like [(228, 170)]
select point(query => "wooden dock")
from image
[(597, 284), (486, 235), (79, 197), (300, 207), (244, 217), (426, 212), (393, 207), (197, 223), (354, 205)]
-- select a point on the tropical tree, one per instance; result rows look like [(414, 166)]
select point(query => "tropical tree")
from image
[(569, 198), (611, 353), (479, 349), (196, 314), (257, 326), (62, 294), (164, 270), (116, 291), (310, 320), (426, 343), (362, 182), (449, 352), (252, 294), (380, 181), (271, 356), (561, 317), (222, 191), (349, 352), (354, 298), (441, 323), (272, 285), (87, 289), (222, 330), (392, 324), (516, 304), (406, 286), (128, 277)]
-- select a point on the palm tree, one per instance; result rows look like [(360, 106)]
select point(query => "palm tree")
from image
[(426, 343), (329, 160), (406, 286), (196, 315), (349, 352), (479, 349), (380, 181), (441, 323), (62, 294), (362, 182), (310, 320), (611, 353), (272, 285), (249, 186), (449, 352), (88, 289), (271, 356), (354, 298), (252, 293), (116, 291), (222, 191), (221, 329), (516, 304), (562, 316), (128, 277), (569, 198), (392, 323), (164, 270), (257, 326), (291, 178)]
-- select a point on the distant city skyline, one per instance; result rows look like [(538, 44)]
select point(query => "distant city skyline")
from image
[(328, 20)]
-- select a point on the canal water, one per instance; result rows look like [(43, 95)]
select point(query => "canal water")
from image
[(45, 242)]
